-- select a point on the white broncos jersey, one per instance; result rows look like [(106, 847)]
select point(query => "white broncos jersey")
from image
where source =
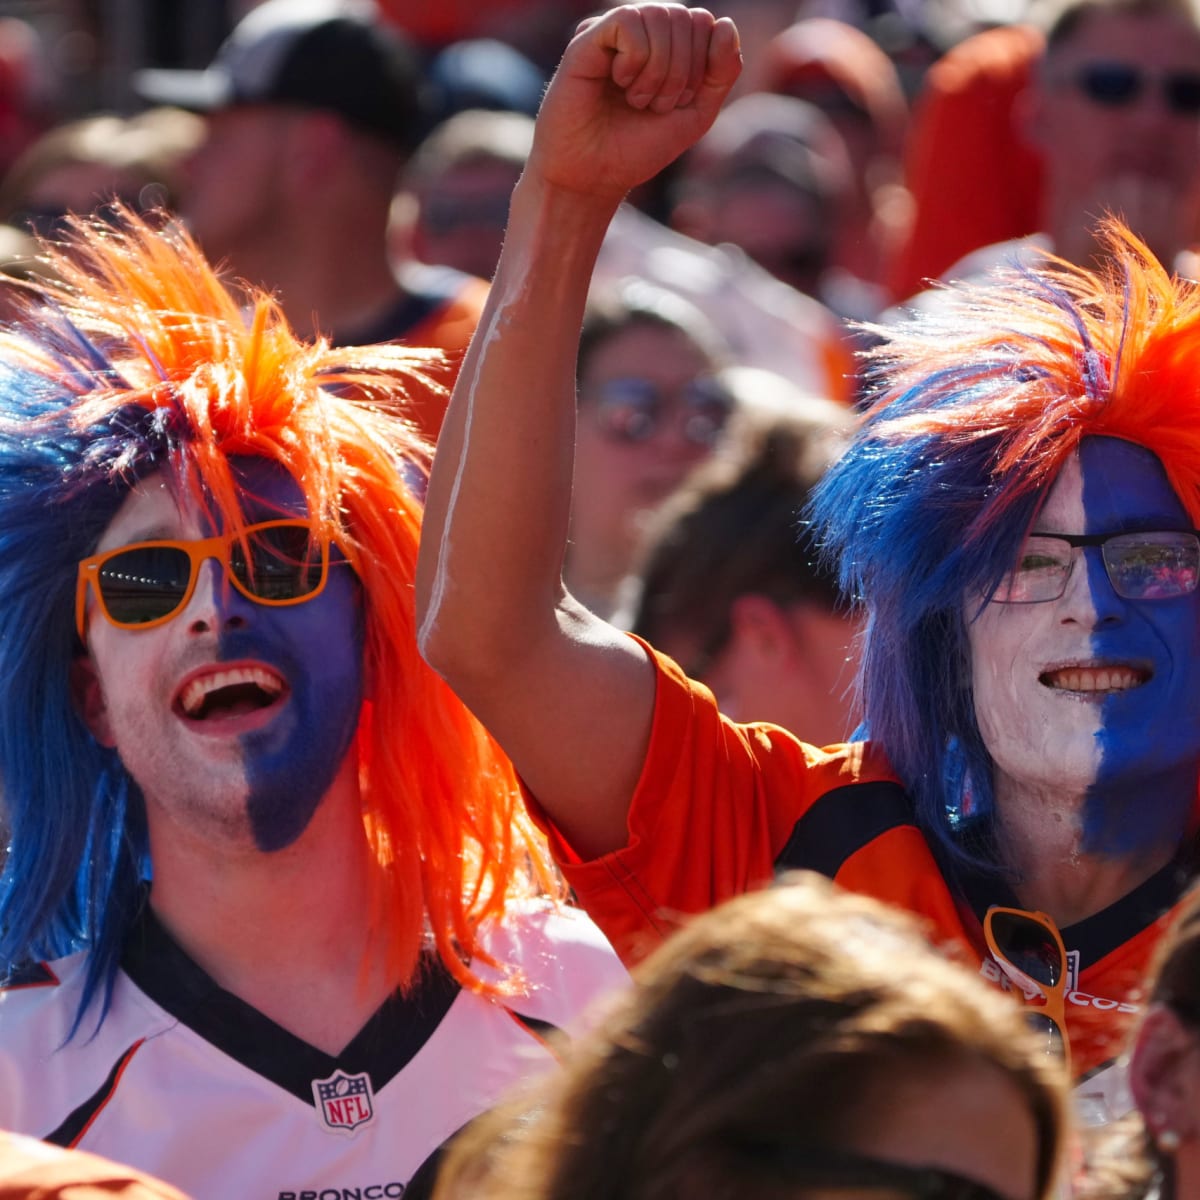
[(189, 1083)]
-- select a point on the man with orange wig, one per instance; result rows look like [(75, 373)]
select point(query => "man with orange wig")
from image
[(1018, 515), (273, 921)]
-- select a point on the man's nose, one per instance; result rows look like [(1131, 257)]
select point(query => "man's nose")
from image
[(215, 604), (1090, 599)]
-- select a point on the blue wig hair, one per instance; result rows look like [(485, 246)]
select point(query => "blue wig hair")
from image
[(975, 407)]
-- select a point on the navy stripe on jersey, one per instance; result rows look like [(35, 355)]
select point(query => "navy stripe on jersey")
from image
[(841, 823), (74, 1127), (1099, 935), (36, 974), (382, 1048), (539, 1028), (435, 288)]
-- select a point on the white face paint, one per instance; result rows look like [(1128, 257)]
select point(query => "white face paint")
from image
[(1039, 736), (486, 338)]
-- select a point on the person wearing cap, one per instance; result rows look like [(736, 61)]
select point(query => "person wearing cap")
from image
[(1017, 513), (313, 106)]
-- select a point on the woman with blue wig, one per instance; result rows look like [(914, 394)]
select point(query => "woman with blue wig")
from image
[(1017, 515)]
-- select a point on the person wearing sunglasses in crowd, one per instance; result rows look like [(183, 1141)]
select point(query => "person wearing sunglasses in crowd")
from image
[(1112, 109), (301, 931), (796, 1042), (652, 407), (1017, 513)]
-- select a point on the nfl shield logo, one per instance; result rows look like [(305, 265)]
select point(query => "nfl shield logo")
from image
[(344, 1101)]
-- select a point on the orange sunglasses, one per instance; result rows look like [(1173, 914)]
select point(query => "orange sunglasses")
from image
[(147, 583), (1030, 951)]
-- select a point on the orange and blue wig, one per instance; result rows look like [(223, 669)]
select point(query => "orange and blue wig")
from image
[(975, 407), (137, 360)]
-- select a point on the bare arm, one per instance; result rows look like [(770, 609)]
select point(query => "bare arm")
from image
[(568, 696)]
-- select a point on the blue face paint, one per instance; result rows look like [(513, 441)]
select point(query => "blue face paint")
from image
[(1149, 735), (1090, 703), (317, 647)]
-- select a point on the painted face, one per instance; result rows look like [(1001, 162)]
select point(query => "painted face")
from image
[(1093, 694), (234, 717)]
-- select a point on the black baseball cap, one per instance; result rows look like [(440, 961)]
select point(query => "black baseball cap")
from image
[(314, 53)]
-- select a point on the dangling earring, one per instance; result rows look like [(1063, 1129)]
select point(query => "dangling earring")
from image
[(1166, 1144), (1167, 1141)]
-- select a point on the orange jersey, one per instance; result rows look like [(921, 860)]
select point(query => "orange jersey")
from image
[(721, 808)]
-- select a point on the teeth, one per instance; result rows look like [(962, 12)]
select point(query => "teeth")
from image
[(194, 694), (1094, 679)]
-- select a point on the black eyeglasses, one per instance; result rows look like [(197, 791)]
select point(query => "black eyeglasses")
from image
[(834, 1170), (1117, 84), (633, 410), (1152, 565), (1030, 951)]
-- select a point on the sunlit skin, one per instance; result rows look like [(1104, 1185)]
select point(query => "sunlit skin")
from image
[(251, 771), (1091, 701)]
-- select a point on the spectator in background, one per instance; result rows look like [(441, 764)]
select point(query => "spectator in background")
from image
[(797, 1042), (453, 202), (769, 178), (841, 71), (765, 322), (82, 166), (731, 586), (311, 111), (652, 406), (1113, 109)]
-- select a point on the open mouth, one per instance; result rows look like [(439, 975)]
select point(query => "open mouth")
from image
[(230, 693), (1093, 680)]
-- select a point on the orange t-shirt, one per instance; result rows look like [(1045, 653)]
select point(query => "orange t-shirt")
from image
[(721, 808)]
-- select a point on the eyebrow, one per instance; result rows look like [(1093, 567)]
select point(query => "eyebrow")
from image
[(1153, 523), (155, 533)]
